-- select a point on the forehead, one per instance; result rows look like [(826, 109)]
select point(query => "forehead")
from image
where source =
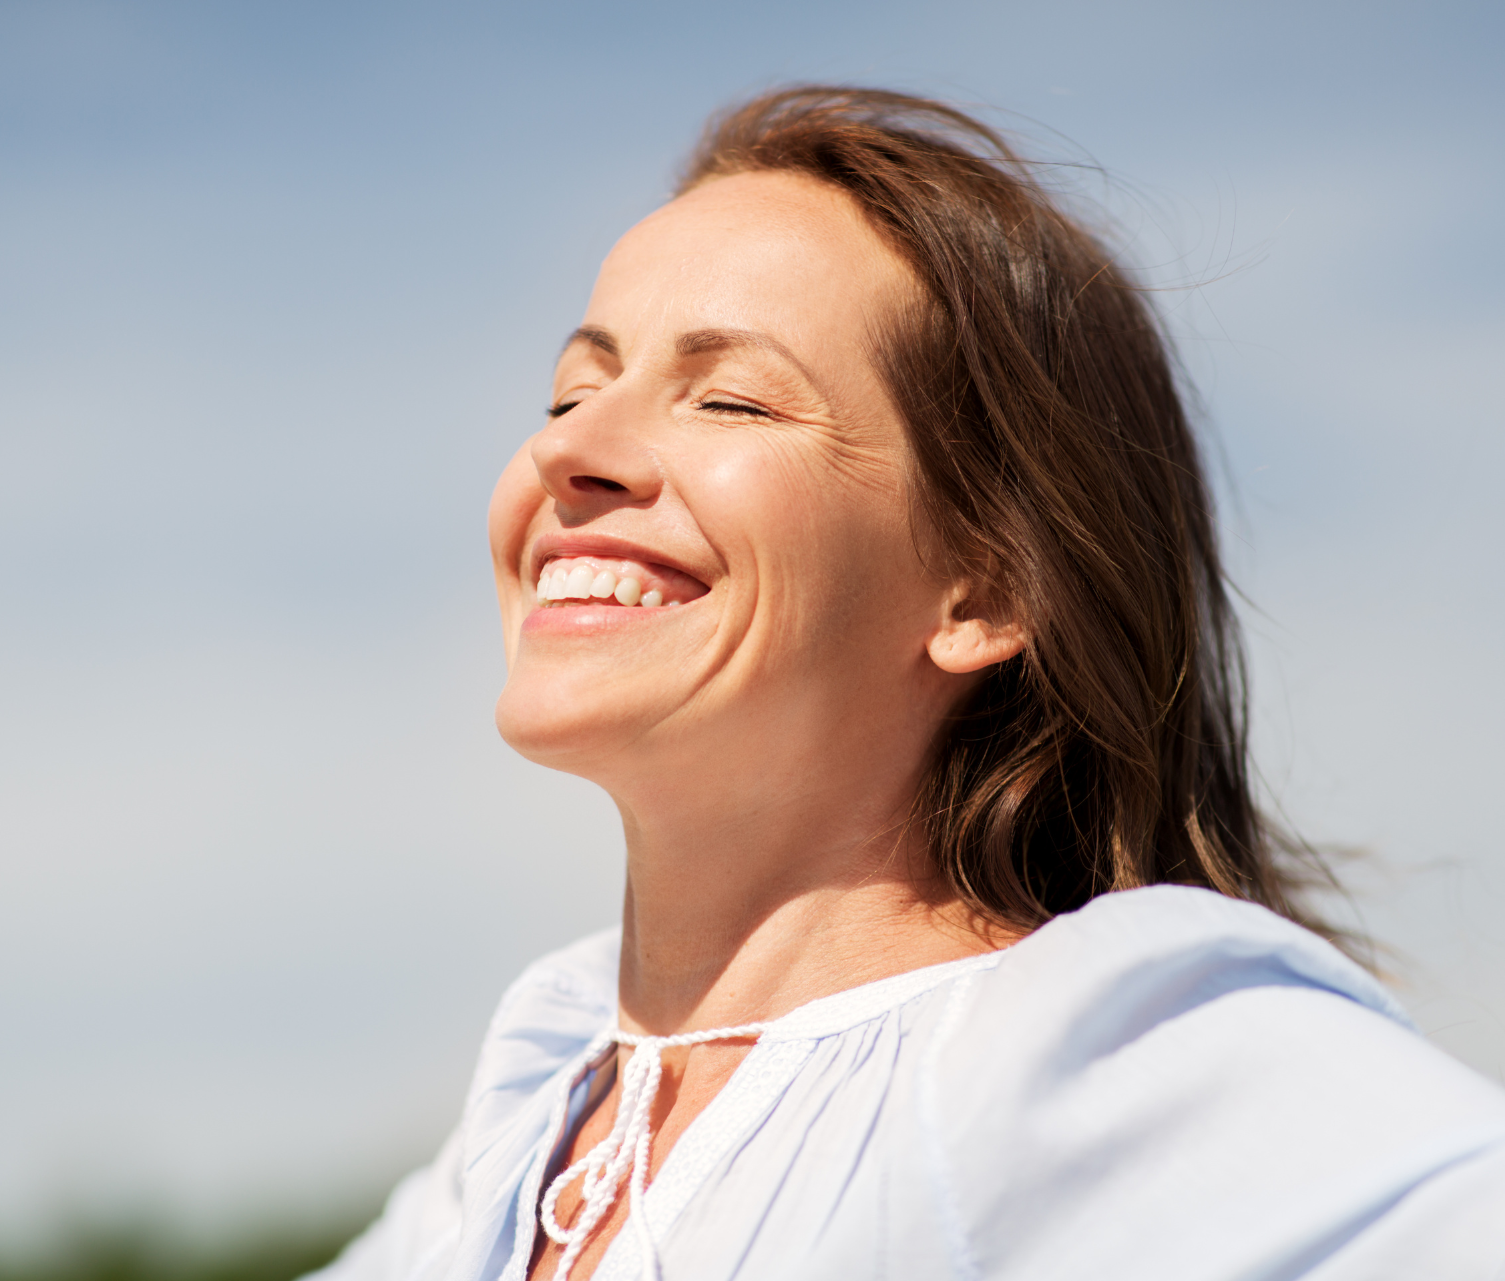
[(779, 252)]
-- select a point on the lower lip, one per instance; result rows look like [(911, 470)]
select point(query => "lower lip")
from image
[(596, 618)]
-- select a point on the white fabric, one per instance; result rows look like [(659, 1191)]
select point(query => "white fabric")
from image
[(1166, 1085), (626, 1148)]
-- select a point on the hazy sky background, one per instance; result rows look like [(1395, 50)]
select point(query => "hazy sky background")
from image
[(280, 289)]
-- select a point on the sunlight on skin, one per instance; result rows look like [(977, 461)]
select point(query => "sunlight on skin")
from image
[(763, 740), (718, 418)]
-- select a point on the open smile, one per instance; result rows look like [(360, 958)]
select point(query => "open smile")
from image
[(566, 581)]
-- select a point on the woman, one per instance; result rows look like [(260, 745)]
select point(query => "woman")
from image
[(867, 562)]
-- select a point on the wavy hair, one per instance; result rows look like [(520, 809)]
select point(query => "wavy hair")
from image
[(1058, 467)]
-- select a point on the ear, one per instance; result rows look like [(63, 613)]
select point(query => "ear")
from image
[(972, 635)]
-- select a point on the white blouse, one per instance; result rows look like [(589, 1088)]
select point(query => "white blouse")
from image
[(1167, 1085)]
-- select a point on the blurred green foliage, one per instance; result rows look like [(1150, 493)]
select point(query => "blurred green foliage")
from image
[(148, 1254)]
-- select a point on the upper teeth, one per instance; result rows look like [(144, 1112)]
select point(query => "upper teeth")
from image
[(584, 582)]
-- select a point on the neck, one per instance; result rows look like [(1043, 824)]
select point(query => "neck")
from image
[(742, 909)]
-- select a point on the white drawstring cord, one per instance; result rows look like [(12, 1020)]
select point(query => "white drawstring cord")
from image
[(629, 1143)]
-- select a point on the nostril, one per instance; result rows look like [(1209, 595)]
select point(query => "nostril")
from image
[(597, 482)]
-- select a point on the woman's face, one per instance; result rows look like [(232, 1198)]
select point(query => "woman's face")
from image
[(719, 507)]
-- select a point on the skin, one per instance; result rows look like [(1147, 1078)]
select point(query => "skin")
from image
[(723, 422)]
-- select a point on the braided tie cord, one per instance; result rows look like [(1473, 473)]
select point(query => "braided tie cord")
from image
[(628, 1145)]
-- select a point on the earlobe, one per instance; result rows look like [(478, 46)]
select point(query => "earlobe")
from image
[(969, 640)]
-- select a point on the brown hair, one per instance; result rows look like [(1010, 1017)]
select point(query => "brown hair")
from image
[(1058, 466)]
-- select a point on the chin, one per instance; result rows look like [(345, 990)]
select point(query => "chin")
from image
[(561, 730)]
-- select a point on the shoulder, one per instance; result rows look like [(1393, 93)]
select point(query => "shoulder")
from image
[(553, 1009), (581, 975), (1174, 1073), (1138, 969), (549, 1014), (1151, 953), (1185, 983)]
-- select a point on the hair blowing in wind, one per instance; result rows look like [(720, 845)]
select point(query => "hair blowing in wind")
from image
[(1060, 474)]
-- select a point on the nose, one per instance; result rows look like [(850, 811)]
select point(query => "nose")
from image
[(590, 461)]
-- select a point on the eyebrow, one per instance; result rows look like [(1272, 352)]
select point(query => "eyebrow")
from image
[(596, 337), (696, 342)]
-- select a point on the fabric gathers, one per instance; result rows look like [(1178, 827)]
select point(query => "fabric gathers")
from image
[(1166, 1085)]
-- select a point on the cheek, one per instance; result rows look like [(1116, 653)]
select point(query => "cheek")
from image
[(514, 503), (760, 503), (830, 541)]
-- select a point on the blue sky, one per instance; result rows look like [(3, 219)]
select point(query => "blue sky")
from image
[(282, 285)]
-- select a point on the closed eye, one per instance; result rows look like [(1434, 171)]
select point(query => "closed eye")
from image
[(563, 407), (733, 407)]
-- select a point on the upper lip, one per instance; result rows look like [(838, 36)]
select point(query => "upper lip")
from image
[(553, 545)]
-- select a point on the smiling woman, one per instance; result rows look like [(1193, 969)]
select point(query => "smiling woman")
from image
[(867, 562)]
